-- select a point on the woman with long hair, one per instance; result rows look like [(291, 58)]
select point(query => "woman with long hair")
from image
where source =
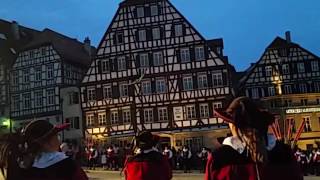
[(33, 154), (250, 153)]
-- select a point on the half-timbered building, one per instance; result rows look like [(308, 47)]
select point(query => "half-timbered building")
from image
[(40, 74), (287, 79), (153, 70), (12, 38)]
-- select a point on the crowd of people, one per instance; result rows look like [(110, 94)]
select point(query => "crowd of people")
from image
[(309, 161)]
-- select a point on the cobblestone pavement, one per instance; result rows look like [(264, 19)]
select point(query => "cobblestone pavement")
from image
[(111, 175)]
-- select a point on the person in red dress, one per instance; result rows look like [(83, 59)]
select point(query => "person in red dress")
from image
[(33, 154), (250, 154), (147, 163)]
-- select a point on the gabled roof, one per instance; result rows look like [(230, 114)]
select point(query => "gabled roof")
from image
[(133, 2), (69, 49), (215, 42), (278, 42), (9, 46)]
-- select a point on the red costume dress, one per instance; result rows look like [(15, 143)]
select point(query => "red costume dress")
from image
[(226, 163), (148, 165)]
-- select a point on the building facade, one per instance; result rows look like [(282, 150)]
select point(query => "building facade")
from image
[(153, 70), (40, 75), (12, 38), (287, 80)]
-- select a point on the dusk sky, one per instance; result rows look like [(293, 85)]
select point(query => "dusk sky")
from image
[(246, 26)]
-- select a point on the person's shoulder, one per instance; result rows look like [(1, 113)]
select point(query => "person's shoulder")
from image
[(281, 153), (146, 157)]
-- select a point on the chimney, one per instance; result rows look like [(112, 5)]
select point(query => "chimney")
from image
[(288, 37), (87, 45), (15, 30)]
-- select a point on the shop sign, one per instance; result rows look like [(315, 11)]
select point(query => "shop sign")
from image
[(304, 110), (178, 113)]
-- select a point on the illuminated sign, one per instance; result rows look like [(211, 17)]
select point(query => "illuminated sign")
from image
[(305, 110)]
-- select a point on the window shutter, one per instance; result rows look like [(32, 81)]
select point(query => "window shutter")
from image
[(135, 13), (147, 11), (99, 67), (150, 59), (115, 91), (128, 62), (85, 96), (206, 52), (137, 35), (114, 38), (184, 29), (209, 76), (160, 9), (131, 89), (162, 33), (225, 79), (149, 34), (195, 82), (99, 94), (180, 83), (67, 120), (308, 66), (120, 115), (137, 61), (155, 115), (153, 86), (210, 106), (197, 111), (95, 121), (294, 68), (76, 123), (173, 31), (75, 96), (115, 64), (192, 54), (178, 55)]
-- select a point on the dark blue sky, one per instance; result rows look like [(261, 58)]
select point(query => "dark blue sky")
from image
[(246, 26)]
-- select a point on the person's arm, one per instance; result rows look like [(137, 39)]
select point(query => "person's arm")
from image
[(170, 154), (189, 155)]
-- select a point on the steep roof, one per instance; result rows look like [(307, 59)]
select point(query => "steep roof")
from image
[(215, 42), (9, 45), (279, 42), (70, 50), (133, 2)]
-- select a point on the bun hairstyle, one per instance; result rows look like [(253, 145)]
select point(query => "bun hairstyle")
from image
[(19, 149)]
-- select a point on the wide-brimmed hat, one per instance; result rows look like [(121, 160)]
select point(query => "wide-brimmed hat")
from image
[(39, 130), (146, 139), (245, 113)]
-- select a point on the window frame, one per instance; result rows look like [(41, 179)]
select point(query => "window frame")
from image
[(191, 112), (185, 55), (146, 115), (152, 10), (102, 118), (314, 66), (269, 71), (158, 58), (38, 96), (204, 110), (126, 116), (187, 82), (144, 60), (271, 91), (106, 93), (156, 34), (122, 64), (114, 117), (178, 30), (162, 114), (285, 69), (301, 67), (217, 79), (202, 81), (199, 54), (50, 71), (123, 89), (91, 94), (161, 86), (105, 66), (142, 35), (140, 12), (26, 101), (51, 97), (255, 93), (146, 87), (90, 118)]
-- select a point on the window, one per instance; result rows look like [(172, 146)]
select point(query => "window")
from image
[(288, 103), (156, 33), (185, 55), (178, 30), (163, 114), (191, 111), (74, 122), (157, 59), (122, 63), (102, 118), (316, 87), (140, 12), (142, 35), (15, 78), (154, 10), (51, 97), (90, 120), (144, 60), (107, 92), (199, 53), (268, 70), (26, 101), (160, 85), (146, 87), (114, 117), (271, 91), (255, 93), (318, 101), (285, 69), (126, 115), (287, 89), (26, 75), (307, 125), (68, 70), (204, 110), (202, 81), (50, 71), (314, 66), (292, 124), (148, 115), (123, 90), (38, 72), (16, 102), (217, 105), (120, 38), (43, 51), (31, 54), (217, 79), (300, 67), (91, 94), (73, 98), (187, 83), (105, 66), (38, 98), (304, 102), (303, 88)]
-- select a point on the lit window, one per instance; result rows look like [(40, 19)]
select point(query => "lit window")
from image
[(146, 87), (107, 92), (185, 55), (178, 30), (102, 118), (204, 110), (114, 117), (157, 59), (140, 12), (217, 79), (301, 67), (122, 65), (126, 115), (156, 33), (148, 115), (142, 35), (91, 94), (154, 10), (123, 89), (202, 81), (314, 66), (191, 111), (144, 60), (163, 114), (51, 97), (187, 83), (199, 53), (160, 85)]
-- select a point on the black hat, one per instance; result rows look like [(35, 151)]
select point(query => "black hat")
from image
[(244, 113), (146, 140)]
